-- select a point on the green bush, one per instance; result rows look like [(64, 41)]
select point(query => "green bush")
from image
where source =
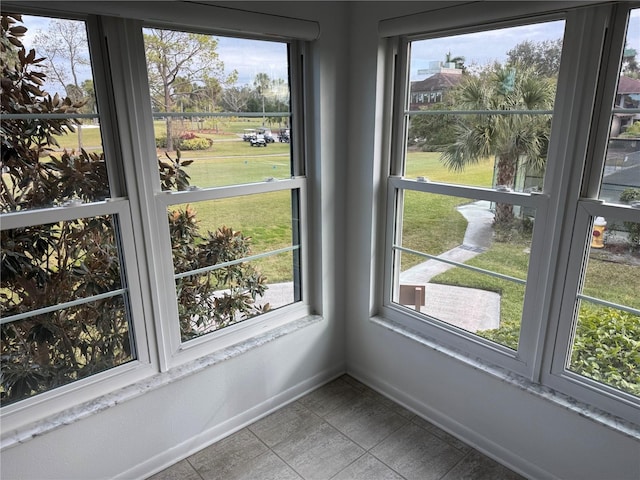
[(607, 347), (56, 263), (627, 196), (632, 131), (507, 334), (161, 142), (197, 143)]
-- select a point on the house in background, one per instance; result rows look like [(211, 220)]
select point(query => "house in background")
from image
[(431, 90), (628, 96)]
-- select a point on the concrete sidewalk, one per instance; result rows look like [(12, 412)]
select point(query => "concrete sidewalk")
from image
[(468, 308)]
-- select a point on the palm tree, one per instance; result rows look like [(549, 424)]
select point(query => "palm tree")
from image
[(262, 83), (458, 61), (509, 137)]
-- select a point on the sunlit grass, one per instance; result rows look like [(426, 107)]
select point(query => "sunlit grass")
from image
[(87, 137), (244, 165), (428, 164), (265, 218), (431, 223)]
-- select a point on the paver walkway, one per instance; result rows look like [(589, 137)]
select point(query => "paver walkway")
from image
[(468, 308)]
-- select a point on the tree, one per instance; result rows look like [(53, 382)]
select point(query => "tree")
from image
[(542, 58), (629, 63), (236, 99), (262, 83), (50, 264), (432, 133), (174, 58), (64, 47), (89, 95), (510, 138)]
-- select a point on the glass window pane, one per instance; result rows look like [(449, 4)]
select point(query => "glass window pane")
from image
[(50, 350), (265, 219), (475, 73), (606, 346), (621, 175), (47, 161), (222, 297), (224, 103), (213, 237), (64, 303), (452, 231), (47, 265)]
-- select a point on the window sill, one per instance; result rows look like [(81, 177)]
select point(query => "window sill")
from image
[(582, 409), (84, 410)]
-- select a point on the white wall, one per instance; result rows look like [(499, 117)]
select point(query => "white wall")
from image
[(532, 435)]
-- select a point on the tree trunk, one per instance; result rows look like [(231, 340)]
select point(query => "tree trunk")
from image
[(167, 108), (505, 177)]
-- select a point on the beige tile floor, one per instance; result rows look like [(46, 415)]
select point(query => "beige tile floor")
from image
[(341, 431)]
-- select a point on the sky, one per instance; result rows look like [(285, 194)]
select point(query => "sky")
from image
[(483, 48), (480, 48), (250, 57)]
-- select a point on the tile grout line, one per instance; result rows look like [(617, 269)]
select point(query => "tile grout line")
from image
[(347, 466), (194, 468), (464, 457), (364, 393), (270, 449)]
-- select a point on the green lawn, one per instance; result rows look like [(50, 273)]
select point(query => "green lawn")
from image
[(90, 135), (427, 164), (614, 282), (265, 218), (237, 162), (431, 223)]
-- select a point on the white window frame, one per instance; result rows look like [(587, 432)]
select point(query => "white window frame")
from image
[(119, 207), (560, 210), (122, 91), (583, 210), (522, 360), (175, 351)]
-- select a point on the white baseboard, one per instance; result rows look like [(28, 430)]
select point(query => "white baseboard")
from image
[(187, 448), (471, 437)]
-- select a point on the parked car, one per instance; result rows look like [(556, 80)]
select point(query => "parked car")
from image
[(258, 141)]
